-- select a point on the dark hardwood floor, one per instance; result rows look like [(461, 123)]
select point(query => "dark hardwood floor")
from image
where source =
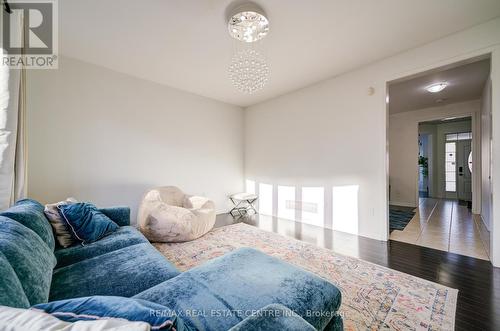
[(478, 282)]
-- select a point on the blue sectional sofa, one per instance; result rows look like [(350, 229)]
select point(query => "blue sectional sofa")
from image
[(34, 270)]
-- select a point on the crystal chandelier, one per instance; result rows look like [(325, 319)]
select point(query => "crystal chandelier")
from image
[(248, 70)]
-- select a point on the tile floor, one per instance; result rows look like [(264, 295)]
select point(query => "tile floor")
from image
[(447, 226)]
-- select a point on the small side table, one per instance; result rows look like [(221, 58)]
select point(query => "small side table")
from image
[(243, 203)]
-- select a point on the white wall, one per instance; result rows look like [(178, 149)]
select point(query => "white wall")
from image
[(334, 132), (486, 155), (307, 139), (106, 137)]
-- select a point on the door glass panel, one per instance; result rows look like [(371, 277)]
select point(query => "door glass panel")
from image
[(450, 176), (451, 136), (450, 168), (451, 147)]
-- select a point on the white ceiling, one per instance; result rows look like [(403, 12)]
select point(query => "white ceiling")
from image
[(465, 82), (185, 44)]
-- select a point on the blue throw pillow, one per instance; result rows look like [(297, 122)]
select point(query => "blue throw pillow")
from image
[(85, 222), (102, 307)]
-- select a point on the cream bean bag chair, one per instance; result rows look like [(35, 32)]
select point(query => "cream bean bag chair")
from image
[(167, 214)]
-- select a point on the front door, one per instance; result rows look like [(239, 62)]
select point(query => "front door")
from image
[(463, 170)]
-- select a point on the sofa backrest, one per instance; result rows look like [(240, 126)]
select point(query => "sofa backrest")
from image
[(119, 215), (30, 214), (32, 261)]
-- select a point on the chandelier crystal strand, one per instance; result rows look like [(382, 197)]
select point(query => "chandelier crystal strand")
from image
[(248, 71)]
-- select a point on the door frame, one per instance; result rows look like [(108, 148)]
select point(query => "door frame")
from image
[(492, 53)]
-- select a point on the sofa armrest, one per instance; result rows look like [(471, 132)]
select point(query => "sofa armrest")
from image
[(119, 215), (273, 317)]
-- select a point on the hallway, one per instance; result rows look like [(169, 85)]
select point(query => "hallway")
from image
[(447, 226)]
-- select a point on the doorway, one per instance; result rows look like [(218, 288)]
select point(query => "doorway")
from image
[(434, 173)]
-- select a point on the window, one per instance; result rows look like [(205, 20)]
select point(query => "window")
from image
[(464, 136), (459, 136), (450, 175)]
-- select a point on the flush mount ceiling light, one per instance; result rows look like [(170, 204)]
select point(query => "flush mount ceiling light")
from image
[(437, 87), (248, 23), (248, 70)]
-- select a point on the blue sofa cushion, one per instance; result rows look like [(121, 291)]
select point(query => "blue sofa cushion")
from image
[(245, 279), (85, 222), (101, 307), (123, 237), (11, 290), (124, 272), (273, 317), (30, 258), (30, 214)]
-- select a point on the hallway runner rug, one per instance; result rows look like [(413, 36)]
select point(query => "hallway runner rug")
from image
[(373, 297), (399, 219)]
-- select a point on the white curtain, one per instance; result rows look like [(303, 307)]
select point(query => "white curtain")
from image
[(12, 134)]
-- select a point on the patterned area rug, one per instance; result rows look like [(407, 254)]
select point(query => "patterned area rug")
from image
[(373, 297)]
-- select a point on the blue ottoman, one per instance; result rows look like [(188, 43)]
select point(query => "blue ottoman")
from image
[(224, 291)]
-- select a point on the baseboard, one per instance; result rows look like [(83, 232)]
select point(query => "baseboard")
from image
[(402, 204)]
